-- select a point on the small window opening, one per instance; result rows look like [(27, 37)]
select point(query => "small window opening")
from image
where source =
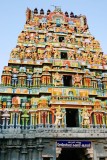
[(72, 117), (61, 39), (64, 55), (58, 23), (67, 80)]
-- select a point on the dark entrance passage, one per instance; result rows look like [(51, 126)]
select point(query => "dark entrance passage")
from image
[(72, 154), (46, 158), (67, 80), (72, 117)]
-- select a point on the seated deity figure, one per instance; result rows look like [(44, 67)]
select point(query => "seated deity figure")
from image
[(59, 116), (85, 118)]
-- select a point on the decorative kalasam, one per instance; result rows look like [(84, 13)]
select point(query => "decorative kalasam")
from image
[(56, 65)]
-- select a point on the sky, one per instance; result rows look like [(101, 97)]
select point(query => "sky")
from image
[(13, 17)]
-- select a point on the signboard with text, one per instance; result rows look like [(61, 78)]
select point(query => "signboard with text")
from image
[(73, 144)]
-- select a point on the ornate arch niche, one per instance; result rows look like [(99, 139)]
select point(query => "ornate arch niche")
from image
[(57, 15)]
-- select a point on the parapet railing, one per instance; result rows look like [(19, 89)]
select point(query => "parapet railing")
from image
[(53, 132)]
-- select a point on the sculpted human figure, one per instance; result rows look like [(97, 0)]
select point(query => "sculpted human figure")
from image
[(100, 84), (85, 118), (87, 80), (28, 14), (77, 80), (8, 80), (57, 79), (40, 55), (55, 38), (70, 54), (59, 116), (3, 80), (34, 56), (56, 54), (21, 55), (32, 36)]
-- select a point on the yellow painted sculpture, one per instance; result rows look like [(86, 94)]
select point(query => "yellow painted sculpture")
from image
[(57, 79), (77, 80), (85, 118), (59, 116)]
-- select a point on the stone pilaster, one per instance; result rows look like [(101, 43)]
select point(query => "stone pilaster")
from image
[(40, 147), (3, 154), (17, 154), (23, 152), (30, 154), (9, 154)]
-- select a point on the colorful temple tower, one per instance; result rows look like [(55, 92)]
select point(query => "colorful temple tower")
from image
[(53, 93)]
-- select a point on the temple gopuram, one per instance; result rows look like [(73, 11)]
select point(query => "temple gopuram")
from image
[(53, 92)]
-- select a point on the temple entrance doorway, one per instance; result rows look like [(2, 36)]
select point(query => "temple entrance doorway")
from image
[(72, 154), (72, 119)]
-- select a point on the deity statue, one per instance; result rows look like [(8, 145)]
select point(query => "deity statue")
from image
[(56, 54), (85, 118), (55, 38), (21, 55), (34, 55), (25, 117), (6, 80), (28, 14), (87, 79), (57, 79), (21, 37), (59, 116), (16, 101), (70, 55), (77, 80), (100, 84)]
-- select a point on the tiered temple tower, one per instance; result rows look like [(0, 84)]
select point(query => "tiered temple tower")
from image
[(54, 87)]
